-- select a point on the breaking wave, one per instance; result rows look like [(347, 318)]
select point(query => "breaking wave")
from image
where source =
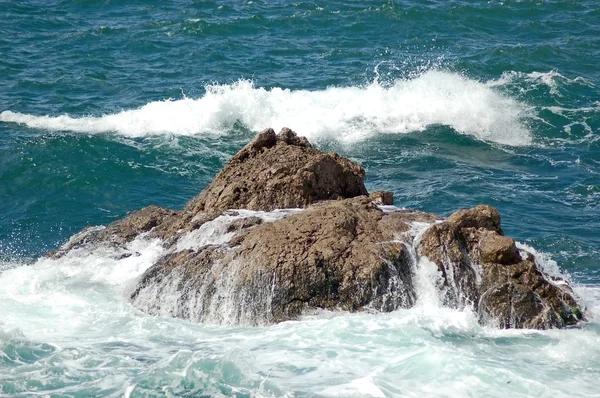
[(347, 114)]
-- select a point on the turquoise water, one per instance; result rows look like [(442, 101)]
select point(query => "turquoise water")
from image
[(106, 107)]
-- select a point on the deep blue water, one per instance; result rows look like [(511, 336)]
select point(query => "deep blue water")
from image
[(109, 106)]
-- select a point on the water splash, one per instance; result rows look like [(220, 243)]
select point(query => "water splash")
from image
[(72, 330), (346, 114)]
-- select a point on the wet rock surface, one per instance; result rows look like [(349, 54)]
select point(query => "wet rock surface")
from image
[(483, 269), (333, 255), (342, 252)]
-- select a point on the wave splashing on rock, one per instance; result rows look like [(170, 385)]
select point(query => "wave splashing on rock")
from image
[(332, 247)]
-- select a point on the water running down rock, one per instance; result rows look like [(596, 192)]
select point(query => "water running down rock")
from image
[(342, 252)]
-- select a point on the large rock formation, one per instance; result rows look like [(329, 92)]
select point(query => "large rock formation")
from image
[(334, 255), (255, 265)]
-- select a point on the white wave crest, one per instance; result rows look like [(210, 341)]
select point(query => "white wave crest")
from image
[(347, 114)]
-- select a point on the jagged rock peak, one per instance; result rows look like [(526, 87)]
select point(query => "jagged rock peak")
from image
[(276, 171), (267, 139)]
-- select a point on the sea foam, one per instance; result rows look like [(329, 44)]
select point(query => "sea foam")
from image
[(73, 315), (346, 114)]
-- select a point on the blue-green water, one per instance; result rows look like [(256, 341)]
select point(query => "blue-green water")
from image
[(106, 107)]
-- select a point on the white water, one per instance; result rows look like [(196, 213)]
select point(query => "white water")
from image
[(347, 114), (549, 79), (215, 231), (67, 327)]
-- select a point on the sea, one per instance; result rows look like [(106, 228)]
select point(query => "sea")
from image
[(107, 106)]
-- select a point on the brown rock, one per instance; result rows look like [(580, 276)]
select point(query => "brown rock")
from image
[(333, 255), (244, 223), (140, 221), (382, 197), (280, 171), (521, 296), (496, 248), (483, 269), (482, 216)]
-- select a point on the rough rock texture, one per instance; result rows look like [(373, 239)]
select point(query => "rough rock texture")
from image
[(280, 171), (119, 232), (484, 269), (342, 251), (382, 198), (334, 255)]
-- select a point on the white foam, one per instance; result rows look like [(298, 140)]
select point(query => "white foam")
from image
[(428, 279), (215, 232), (71, 292), (549, 79), (347, 114), (73, 303), (577, 117), (362, 386), (546, 263)]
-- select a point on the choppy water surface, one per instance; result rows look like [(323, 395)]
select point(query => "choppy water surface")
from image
[(108, 107)]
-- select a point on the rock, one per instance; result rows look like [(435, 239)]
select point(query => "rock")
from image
[(521, 296), (495, 248), (333, 255), (382, 198), (341, 252), (483, 269), (280, 171), (481, 216), (244, 223), (139, 222), (119, 232)]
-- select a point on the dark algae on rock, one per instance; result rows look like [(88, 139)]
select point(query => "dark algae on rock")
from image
[(346, 250)]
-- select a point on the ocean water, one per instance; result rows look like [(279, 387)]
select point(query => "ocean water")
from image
[(106, 107)]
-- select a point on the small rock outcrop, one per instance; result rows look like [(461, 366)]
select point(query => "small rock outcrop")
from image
[(119, 232), (385, 198), (232, 255), (484, 269)]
